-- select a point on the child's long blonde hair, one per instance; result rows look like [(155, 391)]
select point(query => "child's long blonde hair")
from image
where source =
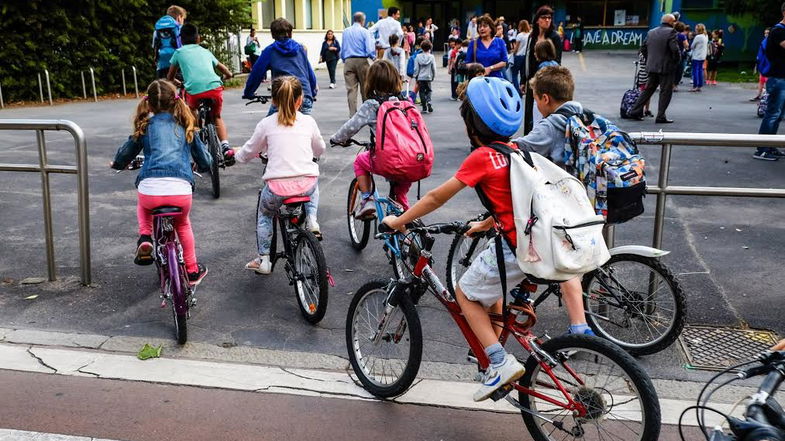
[(286, 91), (162, 97)]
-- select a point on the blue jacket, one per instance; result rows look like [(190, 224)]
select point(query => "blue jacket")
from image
[(283, 57), (166, 153), (166, 51)]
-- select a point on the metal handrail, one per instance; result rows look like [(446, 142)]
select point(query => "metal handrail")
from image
[(668, 139), (80, 170)]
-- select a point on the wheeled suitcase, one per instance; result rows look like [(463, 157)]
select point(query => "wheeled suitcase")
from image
[(630, 96)]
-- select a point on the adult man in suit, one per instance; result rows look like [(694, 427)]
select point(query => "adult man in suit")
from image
[(661, 50)]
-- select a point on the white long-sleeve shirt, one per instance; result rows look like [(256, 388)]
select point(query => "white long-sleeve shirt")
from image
[(699, 47), (386, 27), (289, 149)]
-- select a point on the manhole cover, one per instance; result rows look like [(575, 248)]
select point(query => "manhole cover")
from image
[(714, 348)]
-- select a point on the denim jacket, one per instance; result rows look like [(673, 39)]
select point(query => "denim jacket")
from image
[(167, 154)]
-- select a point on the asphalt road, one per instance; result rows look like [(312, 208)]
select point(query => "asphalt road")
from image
[(727, 251)]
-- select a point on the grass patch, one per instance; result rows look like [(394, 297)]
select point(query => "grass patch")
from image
[(736, 74)]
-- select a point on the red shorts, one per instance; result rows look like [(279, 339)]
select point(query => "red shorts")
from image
[(215, 94), (762, 80)]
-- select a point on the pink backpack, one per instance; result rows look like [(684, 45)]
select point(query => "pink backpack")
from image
[(404, 151)]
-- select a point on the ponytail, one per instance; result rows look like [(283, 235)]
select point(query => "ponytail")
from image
[(162, 97), (286, 90), (183, 115), (141, 118)]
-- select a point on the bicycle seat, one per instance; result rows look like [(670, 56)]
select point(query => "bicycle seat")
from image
[(296, 200), (167, 211)]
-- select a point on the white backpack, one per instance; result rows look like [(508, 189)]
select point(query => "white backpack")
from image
[(559, 234)]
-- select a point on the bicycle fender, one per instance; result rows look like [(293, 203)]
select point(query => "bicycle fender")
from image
[(639, 250)]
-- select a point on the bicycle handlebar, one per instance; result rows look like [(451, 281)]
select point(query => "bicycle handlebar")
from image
[(263, 99), (351, 141), (440, 228)]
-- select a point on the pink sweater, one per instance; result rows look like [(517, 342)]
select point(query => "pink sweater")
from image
[(290, 149)]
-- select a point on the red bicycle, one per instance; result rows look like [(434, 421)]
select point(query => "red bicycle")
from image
[(575, 386)]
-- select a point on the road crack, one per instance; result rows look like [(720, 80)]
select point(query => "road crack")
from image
[(40, 360)]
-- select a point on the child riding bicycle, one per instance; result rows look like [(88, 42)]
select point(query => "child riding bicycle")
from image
[(165, 130), (200, 80), (492, 113), (290, 141), (382, 84)]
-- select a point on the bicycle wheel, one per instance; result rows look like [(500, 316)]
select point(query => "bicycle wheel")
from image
[(463, 251), (311, 277), (214, 148), (177, 295), (635, 302), (619, 398), (387, 368), (359, 230)]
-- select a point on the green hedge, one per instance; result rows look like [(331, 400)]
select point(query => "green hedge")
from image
[(68, 36)]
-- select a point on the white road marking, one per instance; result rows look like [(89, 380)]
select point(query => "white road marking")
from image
[(24, 435)]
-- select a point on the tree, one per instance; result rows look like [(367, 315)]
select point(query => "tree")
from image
[(767, 12), (67, 37)]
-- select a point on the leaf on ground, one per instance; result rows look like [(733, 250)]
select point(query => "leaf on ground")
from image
[(149, 352), (33, 280), (31, 297)]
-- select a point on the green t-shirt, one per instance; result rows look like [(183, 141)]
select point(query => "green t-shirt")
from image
[(198, 67)]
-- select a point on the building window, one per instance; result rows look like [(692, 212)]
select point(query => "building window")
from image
[(268, 13), (609, 12), (289, 13), (308, 14)]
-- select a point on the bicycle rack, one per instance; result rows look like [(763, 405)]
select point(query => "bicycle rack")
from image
[(80, 170)]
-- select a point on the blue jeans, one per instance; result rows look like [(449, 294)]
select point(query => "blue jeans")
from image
[(775, 87), (519, 72), (269, 204), (697, 73), (305, 109)]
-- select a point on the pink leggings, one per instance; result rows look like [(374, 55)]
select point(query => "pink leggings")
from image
[(398, 190), (182, 223)]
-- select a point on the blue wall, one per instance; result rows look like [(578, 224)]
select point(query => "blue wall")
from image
[(369, 7)]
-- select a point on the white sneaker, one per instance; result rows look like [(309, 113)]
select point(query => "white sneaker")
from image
[(313, 226), (332, 85), (366, 210), (498, 375), (260, 265)]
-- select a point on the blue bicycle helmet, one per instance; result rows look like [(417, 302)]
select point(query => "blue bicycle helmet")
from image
[(496, 104)]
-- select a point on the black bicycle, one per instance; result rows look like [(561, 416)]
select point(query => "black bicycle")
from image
[(633, 300), (764, 419), (209, 136)]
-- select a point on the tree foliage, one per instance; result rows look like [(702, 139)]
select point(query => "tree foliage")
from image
[(767, 12), (68, 37)]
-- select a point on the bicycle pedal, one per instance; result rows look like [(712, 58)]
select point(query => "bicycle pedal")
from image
[(501, 392), (192, 302)]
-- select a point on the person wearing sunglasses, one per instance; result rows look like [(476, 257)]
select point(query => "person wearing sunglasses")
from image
[(543, 29)]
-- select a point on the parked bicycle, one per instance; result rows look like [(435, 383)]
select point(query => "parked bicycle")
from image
[(633, 300), (575, 386), (397, 251), (168, 257), (764, 418), (209, 136), (304, 264)]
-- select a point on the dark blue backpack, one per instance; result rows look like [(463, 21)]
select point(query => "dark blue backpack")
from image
[(410, 63), (764, 65)]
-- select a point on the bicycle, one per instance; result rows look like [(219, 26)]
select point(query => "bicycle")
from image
[(305, 265), (168, 258), (209, 136), (575, 385), (633, 300), (764, 418), (360, 229)]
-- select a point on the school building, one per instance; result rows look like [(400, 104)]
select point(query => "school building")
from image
[(608, 24)]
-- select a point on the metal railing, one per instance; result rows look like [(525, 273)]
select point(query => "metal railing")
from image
[(663, 188), (80, 170)]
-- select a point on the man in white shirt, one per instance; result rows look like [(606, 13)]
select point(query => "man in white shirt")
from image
[(471, 29), (386, 27)]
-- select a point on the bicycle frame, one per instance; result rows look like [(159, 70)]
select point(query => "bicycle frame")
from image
[(169, 260), (282, 221)]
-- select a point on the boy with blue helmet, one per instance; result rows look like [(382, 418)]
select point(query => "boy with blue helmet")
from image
[(492, 113)]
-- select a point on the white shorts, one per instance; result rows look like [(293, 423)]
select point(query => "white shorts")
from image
[(481, 282)]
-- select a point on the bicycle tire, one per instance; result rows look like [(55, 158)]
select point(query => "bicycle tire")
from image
[(642, 309), (359, 230), (571, 348), (214, 149), (410, 246), (177, 293), (313, 313), (401, 383), (457, 262)]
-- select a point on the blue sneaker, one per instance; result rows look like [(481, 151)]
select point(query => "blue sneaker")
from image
[(586, 331)]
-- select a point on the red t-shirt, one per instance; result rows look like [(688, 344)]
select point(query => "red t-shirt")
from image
[(491, 171)]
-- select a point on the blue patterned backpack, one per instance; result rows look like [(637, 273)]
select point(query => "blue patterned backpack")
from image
[(606, 160)]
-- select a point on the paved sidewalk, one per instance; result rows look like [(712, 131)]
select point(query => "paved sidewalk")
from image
[(726, 251)]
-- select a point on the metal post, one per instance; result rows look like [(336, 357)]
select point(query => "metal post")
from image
[(48, 86), (659, 214), (84, 87), (92, 76), (123, 74), (2, 104), (136, 84), (48, 233), (83, 207), (40, 87), (609, 234)]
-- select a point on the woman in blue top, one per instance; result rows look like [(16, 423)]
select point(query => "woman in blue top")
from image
[(488, 50)]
